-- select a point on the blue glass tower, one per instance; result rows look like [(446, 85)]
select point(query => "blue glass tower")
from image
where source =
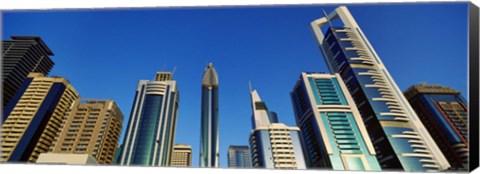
[(444, 112), (239, 157), (150, 134), (333, 134), (400, 139), (209, 142)]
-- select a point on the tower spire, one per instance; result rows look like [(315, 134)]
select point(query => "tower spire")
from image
[(249, 86)]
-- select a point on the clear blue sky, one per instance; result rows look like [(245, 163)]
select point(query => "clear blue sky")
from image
[(105, 52)]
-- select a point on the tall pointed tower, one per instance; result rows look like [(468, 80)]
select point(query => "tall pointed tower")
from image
[(273, 145), (209, 129)]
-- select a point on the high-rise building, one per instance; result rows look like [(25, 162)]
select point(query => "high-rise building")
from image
[(35, 118), (209, 139), (21, 56), (239, 157), (273, 145), (182, 156), (445, 114), (150, 134), (333, 133), (400, 139), (92, 126)]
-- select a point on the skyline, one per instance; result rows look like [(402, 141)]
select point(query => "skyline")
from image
[(276, 95)]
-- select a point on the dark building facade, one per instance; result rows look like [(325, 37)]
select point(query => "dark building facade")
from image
[(445, 114), (22, 55)]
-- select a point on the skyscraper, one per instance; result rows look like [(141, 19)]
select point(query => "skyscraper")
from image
[(239, 157), (35, 117), (92, 126), (333, 134), (209, 139), (21, 56), (182, 156), (150, 134), (273, 145), (400, 139), (445, 114)]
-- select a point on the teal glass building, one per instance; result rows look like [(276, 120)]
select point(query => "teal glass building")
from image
[(150, 134), (333, 134), (400, 139)]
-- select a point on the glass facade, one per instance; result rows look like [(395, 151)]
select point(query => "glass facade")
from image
[(149, 139), (331, 136), (130, 129), (147, 129), (370, 108), (378, 99), (239, 157), (209, 133)]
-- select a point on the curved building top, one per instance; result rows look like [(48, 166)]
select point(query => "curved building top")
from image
[(210, 76)]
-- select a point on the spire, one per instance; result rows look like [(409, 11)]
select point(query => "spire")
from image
[(210, 77), (261, 115), (255, 99)]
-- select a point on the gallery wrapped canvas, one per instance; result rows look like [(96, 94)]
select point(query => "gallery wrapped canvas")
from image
[(373, 87)]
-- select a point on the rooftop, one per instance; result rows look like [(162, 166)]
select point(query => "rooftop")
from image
[(34, 38)]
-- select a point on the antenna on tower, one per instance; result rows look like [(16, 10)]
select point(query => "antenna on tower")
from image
[(250, 86), (173, 71), (163, 68)]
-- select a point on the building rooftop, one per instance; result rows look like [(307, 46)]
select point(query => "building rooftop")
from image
[(94, 100), (428, 89), (210, 76), (238, 147), (182, 145), (163, 76), (34, 38)]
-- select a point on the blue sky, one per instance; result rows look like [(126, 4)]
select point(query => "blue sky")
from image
[(105, 52)]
